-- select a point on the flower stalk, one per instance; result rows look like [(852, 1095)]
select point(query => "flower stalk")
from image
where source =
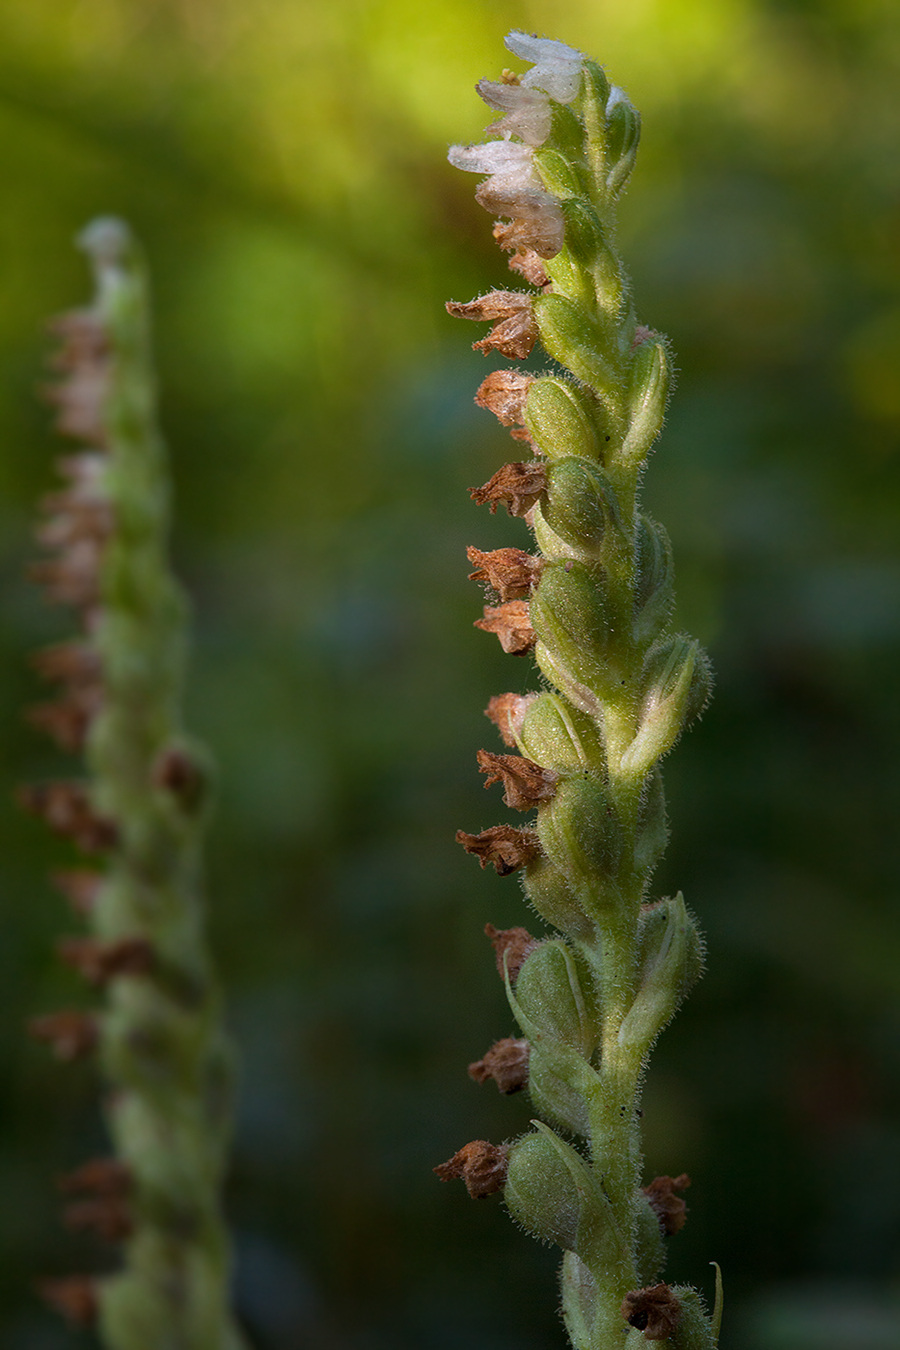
[(139, 815), (594, 606)]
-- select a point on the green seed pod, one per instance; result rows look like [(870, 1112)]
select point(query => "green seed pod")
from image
[(581, 504), (652, 832), (648, 393), (541, 1193), (562, 419), (570, 336), (553, 898), (670, 954), (568, 613), (623, 132), (650, 1245), (654, 586), (557, 997), (676, 682), (558, 737), (580, 832)]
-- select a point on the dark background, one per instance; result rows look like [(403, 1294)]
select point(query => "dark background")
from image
[(283, 161)]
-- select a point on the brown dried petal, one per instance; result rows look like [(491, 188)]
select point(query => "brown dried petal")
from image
[(67, 719), (512, 947), (72, 663), (524, 782), (518, 486), (506, 1062), (504, 847), (101, 961), (80, 887), (512, 625), (655, 1311), (525, 261), (504, 393), (511, 572), (70, 1033), (81, 394), (542, 234), (72, 578), (536, 218), (515, 331), (110, 1218), (507, 712), (76, 1298), (108, 1177), (666, 1205), (67, 810), (481, 1165)]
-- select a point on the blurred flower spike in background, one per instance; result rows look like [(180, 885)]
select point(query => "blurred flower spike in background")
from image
[(318, 404)]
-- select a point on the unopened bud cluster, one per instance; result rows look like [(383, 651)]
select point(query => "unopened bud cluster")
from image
[(138, 816), (593, 604)]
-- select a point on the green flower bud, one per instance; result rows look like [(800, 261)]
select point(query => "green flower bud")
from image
[(563, 419), (556, 1083), (676, 684), (580, 832), (623, 132), (580, 504), (568, 613), (541, 1193), (594, 97), (654, 587), (570, 336), (652, 832), (558, 737), (541, 1196), (646, 400), (670, 953)]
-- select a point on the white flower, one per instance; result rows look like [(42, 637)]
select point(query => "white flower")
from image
[(556, 69), (514, 190), (528, 110), (502, 157)]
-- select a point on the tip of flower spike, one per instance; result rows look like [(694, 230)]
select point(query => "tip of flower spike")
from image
[(557, 66), (105, 240)]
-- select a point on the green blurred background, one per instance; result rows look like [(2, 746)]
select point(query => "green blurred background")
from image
[(284, 163)]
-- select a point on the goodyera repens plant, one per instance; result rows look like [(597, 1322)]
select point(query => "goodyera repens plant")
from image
[(167, 1064), (594, 605)]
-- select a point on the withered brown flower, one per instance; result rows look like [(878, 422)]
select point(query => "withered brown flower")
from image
[(507, 712), (515, 331), (512, 948), (524, 782), (506, 1062), (503, 847), (511, 624), (98, 1176), (518, 486), (67, 809), (70, 1033), (74, 1297), (80, 886), (525, 261), (669, 1208), (481, 1165), (99, 962), (655, 1311), (511, 572), (108, 1216), (504, 393)]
